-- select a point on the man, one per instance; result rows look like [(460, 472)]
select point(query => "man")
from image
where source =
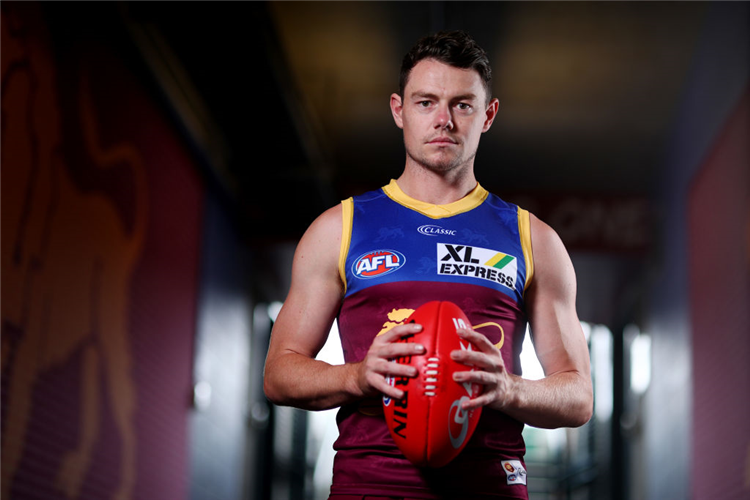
[(435, 226)]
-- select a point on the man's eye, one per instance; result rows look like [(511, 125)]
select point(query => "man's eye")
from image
[(424, 104), (463, 106)]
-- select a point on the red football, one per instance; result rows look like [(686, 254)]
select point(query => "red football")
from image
[(428, 424)]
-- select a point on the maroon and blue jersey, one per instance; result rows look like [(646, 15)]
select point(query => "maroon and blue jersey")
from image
[(396, 254)]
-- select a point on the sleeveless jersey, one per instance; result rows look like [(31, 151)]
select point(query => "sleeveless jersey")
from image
[(396, 254)]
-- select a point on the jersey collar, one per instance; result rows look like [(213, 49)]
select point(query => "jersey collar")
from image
[(468, 202)]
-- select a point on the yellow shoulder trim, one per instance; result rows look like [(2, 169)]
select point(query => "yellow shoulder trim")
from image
[(347, 219), (524, 231), (468, 202)]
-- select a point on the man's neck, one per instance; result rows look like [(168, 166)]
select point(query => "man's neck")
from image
[(437, 188)]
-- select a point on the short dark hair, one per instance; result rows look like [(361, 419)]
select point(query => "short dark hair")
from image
[(455, 48)]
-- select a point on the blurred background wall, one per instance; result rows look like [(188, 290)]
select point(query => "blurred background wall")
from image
[(160, 161)]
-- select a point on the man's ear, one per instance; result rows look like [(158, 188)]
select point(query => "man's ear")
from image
[(491, 113), (397, 107)]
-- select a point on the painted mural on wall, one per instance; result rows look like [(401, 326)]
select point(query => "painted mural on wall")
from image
[(75, 222)]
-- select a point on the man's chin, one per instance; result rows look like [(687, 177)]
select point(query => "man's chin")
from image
[(443, 166), (438, 165)]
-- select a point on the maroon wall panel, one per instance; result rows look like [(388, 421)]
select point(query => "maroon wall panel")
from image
[(719, 270), (101, 215)]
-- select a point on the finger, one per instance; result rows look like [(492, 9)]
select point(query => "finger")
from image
[(477, 402), (378, 377), (474, 377), (380, 384), (400, 331), (395, 337), (392, 392), (399, 350), (391, 368), (480, 341), (478, 359)]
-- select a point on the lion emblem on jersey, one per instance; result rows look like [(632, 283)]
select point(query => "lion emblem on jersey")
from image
[(395, 317)]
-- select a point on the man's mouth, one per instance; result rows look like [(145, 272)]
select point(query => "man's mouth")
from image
[(442, 141)]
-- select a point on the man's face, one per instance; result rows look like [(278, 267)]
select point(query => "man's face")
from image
[(443, 113)]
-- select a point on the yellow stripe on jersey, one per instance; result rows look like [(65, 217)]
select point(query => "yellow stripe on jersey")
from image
[(494, 260), (468, 202), (347, 220), (524, 231)]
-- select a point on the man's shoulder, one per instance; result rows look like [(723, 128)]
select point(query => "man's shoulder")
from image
[(500, 203), (317, 251), (328, 220), (371, 195), (326, 227)]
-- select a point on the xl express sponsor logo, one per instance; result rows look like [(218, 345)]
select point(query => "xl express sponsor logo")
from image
[(477, 262), (378, 263)]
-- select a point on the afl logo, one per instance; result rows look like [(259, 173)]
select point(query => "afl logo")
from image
[(378, 263)]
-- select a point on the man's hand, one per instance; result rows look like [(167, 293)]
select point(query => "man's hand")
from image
[(490, 371), (380, 361), (564, 397)]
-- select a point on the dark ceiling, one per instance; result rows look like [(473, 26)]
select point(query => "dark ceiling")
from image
[(289, 101)]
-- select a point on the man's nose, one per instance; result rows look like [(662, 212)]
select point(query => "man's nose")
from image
[(444, 118)]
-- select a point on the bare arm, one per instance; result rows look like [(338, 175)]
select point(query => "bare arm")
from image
[(293, 376), (564, 398)]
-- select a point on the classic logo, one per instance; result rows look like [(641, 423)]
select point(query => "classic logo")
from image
[(378, 263), (477, 262), (433, 230)]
